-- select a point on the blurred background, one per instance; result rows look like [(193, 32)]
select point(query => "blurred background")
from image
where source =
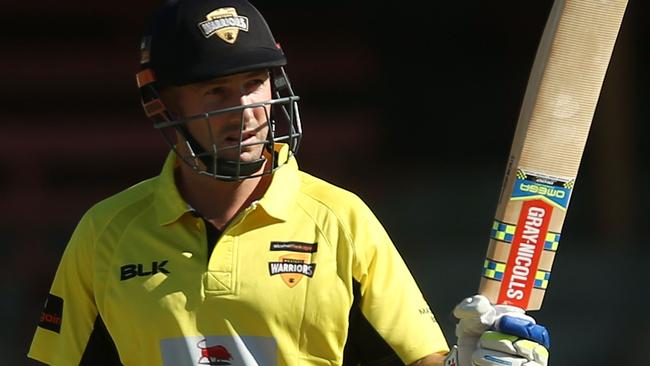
[(412, 109)]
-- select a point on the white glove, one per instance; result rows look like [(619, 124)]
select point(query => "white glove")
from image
[(496, 336)]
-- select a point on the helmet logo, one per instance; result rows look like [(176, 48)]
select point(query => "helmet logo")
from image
[(225, 23)]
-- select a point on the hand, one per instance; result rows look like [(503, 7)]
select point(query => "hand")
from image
[(497, 335)]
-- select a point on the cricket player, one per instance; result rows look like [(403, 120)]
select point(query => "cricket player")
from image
[(232, 255)]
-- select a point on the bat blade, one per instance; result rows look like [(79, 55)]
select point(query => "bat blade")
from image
[(552, 130)]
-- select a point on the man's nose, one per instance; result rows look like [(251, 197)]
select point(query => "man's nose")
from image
[(245, 99), (249, 113)]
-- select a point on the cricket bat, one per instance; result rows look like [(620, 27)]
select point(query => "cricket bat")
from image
[(549, 140)]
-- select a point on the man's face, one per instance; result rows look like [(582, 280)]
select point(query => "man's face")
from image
[(225, 130)]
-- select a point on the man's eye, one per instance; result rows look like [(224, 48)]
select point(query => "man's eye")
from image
[(255, 82), (215, 91)]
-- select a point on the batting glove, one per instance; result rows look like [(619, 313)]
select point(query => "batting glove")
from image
[(498, 335)]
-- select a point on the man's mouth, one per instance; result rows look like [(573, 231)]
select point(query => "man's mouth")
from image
[(247, 138)]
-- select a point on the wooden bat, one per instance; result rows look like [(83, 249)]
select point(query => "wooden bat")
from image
[(550, 137)]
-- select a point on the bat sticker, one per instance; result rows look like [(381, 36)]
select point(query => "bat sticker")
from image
[(555, 191), (520, 273)]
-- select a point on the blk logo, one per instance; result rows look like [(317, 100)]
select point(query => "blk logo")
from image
[(129, 271)]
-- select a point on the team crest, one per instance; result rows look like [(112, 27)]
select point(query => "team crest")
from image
[(292, 267), (225, 23)]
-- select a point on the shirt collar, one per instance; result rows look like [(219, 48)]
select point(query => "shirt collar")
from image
[(280, 195), (276, 202), (170, 206)]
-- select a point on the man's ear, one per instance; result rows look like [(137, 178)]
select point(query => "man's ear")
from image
[(168, 97)]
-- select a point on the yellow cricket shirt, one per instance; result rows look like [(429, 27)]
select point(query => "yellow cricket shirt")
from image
[(304, 276)]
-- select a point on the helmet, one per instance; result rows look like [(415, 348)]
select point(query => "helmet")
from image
[(190, 41)]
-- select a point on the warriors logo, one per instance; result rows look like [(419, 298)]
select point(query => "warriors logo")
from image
[(225, 23), (292, 267)]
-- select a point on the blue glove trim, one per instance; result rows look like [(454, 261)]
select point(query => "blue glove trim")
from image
[(525, 329)]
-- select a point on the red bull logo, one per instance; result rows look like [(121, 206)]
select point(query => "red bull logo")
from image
[(213, 355)]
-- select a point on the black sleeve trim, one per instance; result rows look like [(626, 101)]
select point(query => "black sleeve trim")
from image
[(100, 350), (364, 346), (52, 314)]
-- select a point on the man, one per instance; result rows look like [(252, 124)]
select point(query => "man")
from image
[(232, 256)]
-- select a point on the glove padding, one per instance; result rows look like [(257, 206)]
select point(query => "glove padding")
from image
[(482, 342), (496, 348)]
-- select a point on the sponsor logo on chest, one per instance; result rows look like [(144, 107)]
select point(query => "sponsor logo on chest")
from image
[(213, 354), (219, 350)]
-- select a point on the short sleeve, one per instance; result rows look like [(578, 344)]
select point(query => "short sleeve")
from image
[(69, 313), (391, 300)]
